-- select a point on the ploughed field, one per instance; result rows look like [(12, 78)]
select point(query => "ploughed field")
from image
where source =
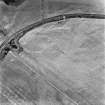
[(62, 64)]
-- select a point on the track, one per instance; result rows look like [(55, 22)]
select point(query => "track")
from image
[(12, 42)]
